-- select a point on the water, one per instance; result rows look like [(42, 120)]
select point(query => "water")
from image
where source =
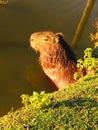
[(20, 71)]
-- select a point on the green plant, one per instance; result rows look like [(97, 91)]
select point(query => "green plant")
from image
[(76, 75), (89, 63), (36, 100)]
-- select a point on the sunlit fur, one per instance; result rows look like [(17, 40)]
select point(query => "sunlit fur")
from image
[(56, 57)]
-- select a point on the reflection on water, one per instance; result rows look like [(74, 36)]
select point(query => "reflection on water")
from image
[(20, 73), (18, 63), (83, 21), (3, 2)]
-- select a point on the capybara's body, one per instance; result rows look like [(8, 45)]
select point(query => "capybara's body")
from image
[(57, 59)]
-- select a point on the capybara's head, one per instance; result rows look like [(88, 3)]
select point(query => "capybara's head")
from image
[(40, 39), (49, 41)]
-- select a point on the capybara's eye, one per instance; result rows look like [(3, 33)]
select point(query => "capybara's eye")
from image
[(45, 38)]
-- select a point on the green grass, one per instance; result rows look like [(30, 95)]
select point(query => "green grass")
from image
[(72, 108)]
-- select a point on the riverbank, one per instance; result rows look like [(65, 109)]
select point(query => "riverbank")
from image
[(75, 107)]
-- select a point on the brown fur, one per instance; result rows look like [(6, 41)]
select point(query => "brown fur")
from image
[(57, 59)]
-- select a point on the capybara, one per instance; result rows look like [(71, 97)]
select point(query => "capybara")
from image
[(56, 57)]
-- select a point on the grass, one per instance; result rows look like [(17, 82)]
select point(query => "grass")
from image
[(72, 108)]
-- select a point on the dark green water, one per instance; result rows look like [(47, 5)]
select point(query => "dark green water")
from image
[(18, 62)]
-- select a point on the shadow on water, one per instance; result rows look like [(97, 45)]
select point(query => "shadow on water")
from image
[(37, 78)]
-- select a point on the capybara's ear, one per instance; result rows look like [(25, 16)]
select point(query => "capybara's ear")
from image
[(60, 35), (56, 40)]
